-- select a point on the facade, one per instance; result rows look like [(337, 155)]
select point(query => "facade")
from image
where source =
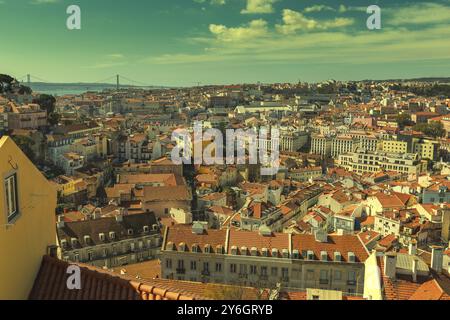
[(321, 145), (27, 117), (109, 242), (362, 162), (264, 259), (27, 221)]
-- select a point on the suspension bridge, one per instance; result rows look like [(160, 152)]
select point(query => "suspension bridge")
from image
[(116, 80)]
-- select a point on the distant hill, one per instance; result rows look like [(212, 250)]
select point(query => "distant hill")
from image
[(78, 88), (430, 79)]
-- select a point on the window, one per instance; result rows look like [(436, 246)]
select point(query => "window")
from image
[(168, 263), (284, 273), (264, 271), (337, 275), (218, 267), (193, 265), (233, 268), (253, 269), (323, 275), (180, 264), (12, 208), (274, 272), (206, 266)]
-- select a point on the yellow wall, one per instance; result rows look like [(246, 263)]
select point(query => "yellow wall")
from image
[(23, 245), (395, 146)]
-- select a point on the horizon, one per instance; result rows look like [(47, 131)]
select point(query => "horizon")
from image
[(180, 43)]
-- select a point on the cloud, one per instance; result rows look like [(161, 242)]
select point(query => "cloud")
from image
[(44, 1), (294, 21), (318, 8), (212, 2), (255, 29), (423, 13), (259, 6)]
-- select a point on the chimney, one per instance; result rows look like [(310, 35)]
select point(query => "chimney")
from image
[(415, 262), (437, 258), (60, 224), (390, 265), (412, 249), (119, 217), (97, 213)]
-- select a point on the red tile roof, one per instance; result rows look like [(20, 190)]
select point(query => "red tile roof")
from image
[(96, 284)]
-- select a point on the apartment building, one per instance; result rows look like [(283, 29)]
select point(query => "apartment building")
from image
[(135, 148), (305, 174), (3, 120), (342, 145), (293, 141), (27, 117), (264, 259), (362, 161), (321, 145), (111, 241), (426, 149), (405, 225), (27, 221)]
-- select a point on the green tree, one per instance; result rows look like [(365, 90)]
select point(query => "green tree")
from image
[(47, 103), (26, 145), (403, 120), (434, 129)]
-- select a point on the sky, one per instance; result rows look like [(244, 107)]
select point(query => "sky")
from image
[(185, 42)]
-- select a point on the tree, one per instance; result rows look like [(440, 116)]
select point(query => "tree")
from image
[(434, 129), (404, 120), (26, 145), (47, 103)]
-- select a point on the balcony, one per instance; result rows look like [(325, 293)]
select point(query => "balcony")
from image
[(181, 271), (206, 273), (351, 282), (264, 277), (243, 276), (324, 281)]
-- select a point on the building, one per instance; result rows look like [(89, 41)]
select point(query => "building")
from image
[(27, 117), (362, 161), (264, 259), (27, 221), (134, 148), (321, 145), (111, 241)]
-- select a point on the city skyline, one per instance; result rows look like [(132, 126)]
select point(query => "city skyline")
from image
[(181, 43)]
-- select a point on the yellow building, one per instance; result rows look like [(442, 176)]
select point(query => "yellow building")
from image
[(394, 146), (27, 221)]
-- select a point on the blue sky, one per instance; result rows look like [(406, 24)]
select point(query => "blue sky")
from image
[(182, 42)]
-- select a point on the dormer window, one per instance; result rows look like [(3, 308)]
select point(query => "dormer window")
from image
[(130, 232), (351, 257), (87, 240), (146, 229), (265, 252), (234, 250), (275, 253), (207, 248), (112, 235), (310, 255), (182, 246), (244, 251), (74, 242), (63, 243), (101, 236), (195, 248)]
